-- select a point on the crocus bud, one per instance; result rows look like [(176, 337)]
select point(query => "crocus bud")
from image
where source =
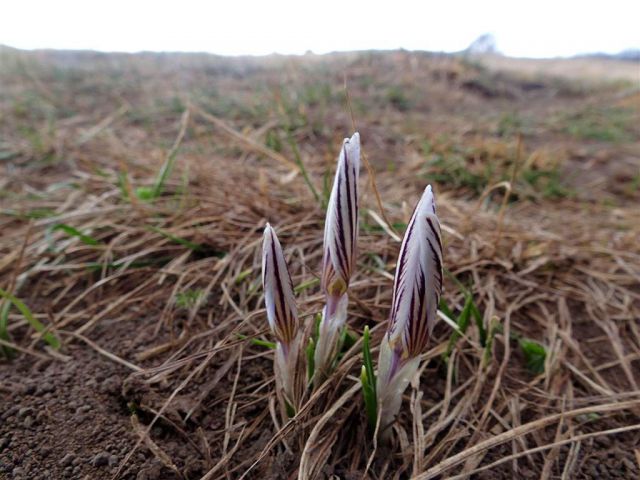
[(416, 294), (282, 315), (340, 238)]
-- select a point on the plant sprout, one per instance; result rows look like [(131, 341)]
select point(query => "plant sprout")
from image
[(282, 315), (340, 238), (416, 294)]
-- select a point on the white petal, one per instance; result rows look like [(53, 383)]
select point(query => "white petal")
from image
[(392, 384), (341, 226), (418, 280), (278, 291)]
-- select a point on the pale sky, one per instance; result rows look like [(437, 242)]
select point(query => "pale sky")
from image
[(533, 28)]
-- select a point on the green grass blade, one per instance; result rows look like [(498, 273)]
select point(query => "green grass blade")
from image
[(311, 362), (535, 355), (291, 412), (304, 285), (259, 343), (316, 327), (167, 166), (366, 354), (164, 173), (444, 308), (479, 323), (48, 337), (369, 395), (4, 329), (74, 232), (348, 339), (494, 327), (242, 275), (463, 323)]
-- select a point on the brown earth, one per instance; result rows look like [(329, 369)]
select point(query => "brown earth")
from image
[(151, 299)]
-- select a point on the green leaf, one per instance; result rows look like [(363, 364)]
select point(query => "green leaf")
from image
[(145, 193), (345, 342), (366, 355), (479, 323), (304, 285), (4, 330), (463, 323), (444, 308), (348, 339), (535, 355), (74, 232), (258, 342), (369, 395), (494, 327), (242, 275), (164, 173), (188, 298), (311, 361), (48, 337), (291, 412), (316, 327)]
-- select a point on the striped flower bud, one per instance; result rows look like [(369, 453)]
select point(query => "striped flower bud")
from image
[(340, 238), (282, 315), (416, 295)]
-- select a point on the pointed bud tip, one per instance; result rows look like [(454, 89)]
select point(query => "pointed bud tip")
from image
[(268, 230), (429, 198), (354, 140)]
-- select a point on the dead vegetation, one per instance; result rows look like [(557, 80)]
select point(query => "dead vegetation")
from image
[(134, 190)]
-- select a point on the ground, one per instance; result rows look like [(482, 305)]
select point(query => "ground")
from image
[(133, 193)]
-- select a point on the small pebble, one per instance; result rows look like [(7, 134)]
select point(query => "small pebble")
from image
[(10, 412), (4, 443), (111, 384), (100, 460), (24, 411), (29, 389), (67, 460), (46, 387)]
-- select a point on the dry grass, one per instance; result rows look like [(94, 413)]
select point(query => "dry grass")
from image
[(577, 69), (175, 279)]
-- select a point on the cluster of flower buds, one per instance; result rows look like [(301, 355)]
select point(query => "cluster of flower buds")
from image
[(340, 238), (416, 294)]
